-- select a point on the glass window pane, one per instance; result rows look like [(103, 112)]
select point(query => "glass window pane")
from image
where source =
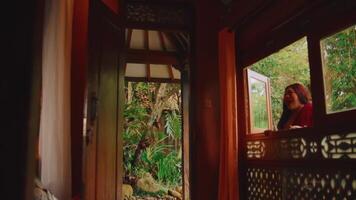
[(339, 65), (259, 104)]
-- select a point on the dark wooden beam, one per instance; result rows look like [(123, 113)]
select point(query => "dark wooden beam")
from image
[(236, 16), (148, 71), (161, 39), (146, 40), (257, 27), (156, 26), (172, 37), (152, 57), (253, 47), (128, 39)]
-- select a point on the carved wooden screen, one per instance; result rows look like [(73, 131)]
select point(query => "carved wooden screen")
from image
[(309, 163), (153, 14)]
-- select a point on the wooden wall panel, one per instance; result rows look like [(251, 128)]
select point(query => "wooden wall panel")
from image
[(107, 116), (205, 122)]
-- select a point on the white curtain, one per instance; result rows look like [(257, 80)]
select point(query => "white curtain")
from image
[(55, 114)]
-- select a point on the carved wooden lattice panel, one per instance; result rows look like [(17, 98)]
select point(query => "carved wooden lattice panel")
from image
[(264, 184), (156, 14), (300, 184), (255, 149), (339, 146), (335, 146)]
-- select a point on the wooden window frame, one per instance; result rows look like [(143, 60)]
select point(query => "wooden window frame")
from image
[(252, 74), (337, 120)]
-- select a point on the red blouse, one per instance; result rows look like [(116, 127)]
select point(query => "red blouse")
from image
[(305, 116)]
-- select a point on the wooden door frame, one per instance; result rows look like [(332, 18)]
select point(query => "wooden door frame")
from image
[(99, 16)]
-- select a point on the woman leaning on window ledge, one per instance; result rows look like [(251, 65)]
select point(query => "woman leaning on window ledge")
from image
[(297, 108)]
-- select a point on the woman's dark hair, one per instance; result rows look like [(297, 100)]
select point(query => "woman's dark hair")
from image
[(303, 96)]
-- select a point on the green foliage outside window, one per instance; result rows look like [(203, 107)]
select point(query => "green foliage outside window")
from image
[(339, 65), (259, 104), (289, 65)]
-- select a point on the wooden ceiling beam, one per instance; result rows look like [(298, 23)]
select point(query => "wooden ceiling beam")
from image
[(237, 16), (152, 57), (146, 40), (148, 71), (157, 26), (257, 28), (300, 24), (161, 39), (156, 80), (175, 41)]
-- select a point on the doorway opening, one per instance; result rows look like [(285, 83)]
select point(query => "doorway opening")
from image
[(152, 141), (155, 139)]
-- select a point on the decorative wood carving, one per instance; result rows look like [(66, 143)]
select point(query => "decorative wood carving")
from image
[(157, 15), (335, 146), (300, 183), (339, 146)]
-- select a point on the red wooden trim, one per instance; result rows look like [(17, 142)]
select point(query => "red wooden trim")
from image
[(106, 13), (79, 59)]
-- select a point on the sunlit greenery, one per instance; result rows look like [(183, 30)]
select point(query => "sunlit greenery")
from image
[(339, 62), (290, 65), (259, 104), (152, 135), (287, 66)]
